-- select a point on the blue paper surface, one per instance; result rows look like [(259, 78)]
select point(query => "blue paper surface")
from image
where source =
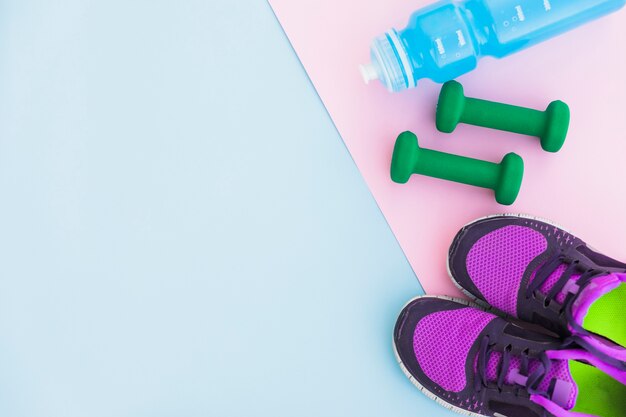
[(182, 232)]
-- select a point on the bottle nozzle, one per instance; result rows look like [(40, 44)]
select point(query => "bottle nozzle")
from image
[(369, 72), (389, 63)]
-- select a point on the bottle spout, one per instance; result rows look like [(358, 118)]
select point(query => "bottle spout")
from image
[(369, 72), (389, 63)]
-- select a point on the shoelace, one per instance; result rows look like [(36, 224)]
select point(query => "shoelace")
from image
[(559, 391), (531, 382), (564, 283)]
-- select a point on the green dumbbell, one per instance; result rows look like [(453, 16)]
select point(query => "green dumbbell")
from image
[(550, 126), (504, 178)]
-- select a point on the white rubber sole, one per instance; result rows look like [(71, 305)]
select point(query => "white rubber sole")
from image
[(414, 381)]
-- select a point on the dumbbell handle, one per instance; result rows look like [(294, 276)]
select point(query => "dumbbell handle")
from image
[(458, 168), (510, 118)]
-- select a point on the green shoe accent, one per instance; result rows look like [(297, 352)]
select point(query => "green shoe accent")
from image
[(504, 178), (598, 393), (550, 126), (607, 316)]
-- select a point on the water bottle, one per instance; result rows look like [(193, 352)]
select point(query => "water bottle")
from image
[(446, 39)]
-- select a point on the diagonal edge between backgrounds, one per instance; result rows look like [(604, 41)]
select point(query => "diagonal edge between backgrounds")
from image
[(321, 99)]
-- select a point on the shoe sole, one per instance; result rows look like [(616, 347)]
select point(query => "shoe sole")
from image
[(414, 381)]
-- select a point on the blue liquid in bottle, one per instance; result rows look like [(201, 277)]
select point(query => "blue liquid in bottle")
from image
[(445, 40)]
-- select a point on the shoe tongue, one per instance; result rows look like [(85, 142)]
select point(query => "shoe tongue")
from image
[(592, 292), (558, 383)]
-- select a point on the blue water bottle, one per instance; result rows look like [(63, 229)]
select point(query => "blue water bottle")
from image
[(446, 39)]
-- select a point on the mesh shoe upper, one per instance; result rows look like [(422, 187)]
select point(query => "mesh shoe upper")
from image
[(481, 363), (534, 271), (498, 273), (458, 330)]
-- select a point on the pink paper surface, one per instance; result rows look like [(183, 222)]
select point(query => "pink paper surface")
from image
[(582, 187)]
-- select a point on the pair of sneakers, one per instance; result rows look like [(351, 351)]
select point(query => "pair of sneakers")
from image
[(545, 335)]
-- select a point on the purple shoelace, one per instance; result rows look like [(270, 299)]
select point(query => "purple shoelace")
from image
[(564, 283), (530, 382)]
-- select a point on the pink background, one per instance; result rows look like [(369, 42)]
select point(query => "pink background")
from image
[(581, 188)]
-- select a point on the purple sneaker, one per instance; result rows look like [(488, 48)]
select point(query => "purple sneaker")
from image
[(478, 364), (541, 274)]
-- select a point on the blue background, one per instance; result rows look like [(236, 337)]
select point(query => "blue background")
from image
[(182, 231)]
